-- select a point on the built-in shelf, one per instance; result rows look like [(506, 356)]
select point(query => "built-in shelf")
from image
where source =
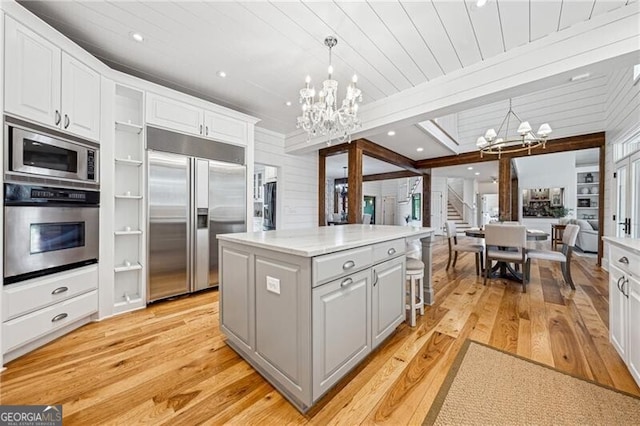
[(586, 208), (129, 197), (132, 232), (125, 268), (587, 195), (587, 183), (128, 162), (128, 127)]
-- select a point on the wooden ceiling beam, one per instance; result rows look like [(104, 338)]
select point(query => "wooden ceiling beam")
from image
[(572, 143)]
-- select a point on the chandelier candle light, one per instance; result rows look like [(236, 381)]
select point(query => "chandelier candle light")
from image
[(499, 143), (321, 116)]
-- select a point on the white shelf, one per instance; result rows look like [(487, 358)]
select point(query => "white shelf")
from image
[(125, 268), (587, 195), (129, 197), (587, 183), (586, 208), (132, 232), (128, 162), (128, 127)]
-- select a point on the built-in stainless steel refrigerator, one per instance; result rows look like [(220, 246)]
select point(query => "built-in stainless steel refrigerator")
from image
[(191, 199)]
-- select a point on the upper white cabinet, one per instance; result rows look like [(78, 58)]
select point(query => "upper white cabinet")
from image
[(44, 84), (187, 118)]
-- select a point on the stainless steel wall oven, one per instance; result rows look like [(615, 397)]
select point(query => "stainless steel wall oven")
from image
[(48, 230)]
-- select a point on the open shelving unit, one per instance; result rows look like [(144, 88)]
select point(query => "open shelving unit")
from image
[(587, 196), (129, 246)]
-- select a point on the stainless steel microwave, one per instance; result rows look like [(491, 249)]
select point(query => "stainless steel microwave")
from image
[(36, 153)]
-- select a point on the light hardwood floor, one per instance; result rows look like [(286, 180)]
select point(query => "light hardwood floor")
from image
[(169, 364)]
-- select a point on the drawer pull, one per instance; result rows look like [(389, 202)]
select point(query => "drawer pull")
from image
[(60, 290), (348, 265), (624, 260), (346, 282), (391, 251), (619, 283), (59, 317)]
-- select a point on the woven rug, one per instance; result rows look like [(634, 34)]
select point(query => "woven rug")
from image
[(488, 386)]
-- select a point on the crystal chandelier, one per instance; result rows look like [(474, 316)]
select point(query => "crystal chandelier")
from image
[(502, 142), (321, 116)]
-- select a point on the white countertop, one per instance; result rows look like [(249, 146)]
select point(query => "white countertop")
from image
[(324, 239), (632, 244)]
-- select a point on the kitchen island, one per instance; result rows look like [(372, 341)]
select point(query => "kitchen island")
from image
[(305, 306)]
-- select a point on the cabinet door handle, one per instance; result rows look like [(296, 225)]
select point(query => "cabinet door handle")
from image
[(348, 264), (391, 251), (206, 130), (60, 290), (375, 278), (66, 121), (59, 317), (626, 293), (201, 129), (619, 283), (624, 260), (346, 282), (58, 117)]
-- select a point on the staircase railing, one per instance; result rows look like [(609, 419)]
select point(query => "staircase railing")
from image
[(463, 208)]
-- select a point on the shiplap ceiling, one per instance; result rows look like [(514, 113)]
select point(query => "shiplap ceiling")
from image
[(267, 48)]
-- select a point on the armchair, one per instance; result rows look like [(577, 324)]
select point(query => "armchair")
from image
[(587, 236)]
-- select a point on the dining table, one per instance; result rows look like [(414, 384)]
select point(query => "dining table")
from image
[(504, 269)]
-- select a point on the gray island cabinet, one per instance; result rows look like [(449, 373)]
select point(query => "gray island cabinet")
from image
[(304, 307)]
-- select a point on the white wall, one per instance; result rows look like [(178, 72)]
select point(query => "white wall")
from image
[(487, 188), (297, 180)]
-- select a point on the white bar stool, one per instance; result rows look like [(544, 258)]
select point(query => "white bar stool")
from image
[(415, 280)]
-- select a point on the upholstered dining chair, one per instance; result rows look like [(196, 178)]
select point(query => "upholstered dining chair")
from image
[(505, 243), (454, 247), (564, 256)]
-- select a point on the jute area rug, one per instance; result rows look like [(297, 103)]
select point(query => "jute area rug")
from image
[(486, 386)]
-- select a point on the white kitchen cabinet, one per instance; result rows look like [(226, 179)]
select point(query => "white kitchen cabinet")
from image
[(387, 299), (46, 85), (225, 129), (341, 334), (80, 98), (624, 300), (186, 118)]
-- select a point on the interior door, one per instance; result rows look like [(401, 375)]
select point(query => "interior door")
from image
[(389, 211), (634, 199), (168, 213), (622, 169)]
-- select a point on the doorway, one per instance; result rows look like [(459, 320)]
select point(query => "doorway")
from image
[(370, 208), (264, 197)]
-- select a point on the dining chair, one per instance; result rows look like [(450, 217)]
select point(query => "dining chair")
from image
[(366, 219), (508, 244), (454, 247), (564, 256)]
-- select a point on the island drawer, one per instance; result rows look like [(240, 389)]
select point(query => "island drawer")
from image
[(331, 266), (28, 296), (388, 250), (625, 260)]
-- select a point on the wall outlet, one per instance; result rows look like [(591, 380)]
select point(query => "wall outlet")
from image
[(273, 285)]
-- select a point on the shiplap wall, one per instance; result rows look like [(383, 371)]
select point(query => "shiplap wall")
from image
[(297, 180), (573, 108), (622, 120)]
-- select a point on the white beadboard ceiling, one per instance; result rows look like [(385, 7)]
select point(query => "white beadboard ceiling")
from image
[(267, 48)]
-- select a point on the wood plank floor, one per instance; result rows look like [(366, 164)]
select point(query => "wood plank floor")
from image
[(169, 364)]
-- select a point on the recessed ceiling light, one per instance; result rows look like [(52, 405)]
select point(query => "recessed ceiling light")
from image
[(420, 149), (288, 103), (391, 133), (469, 168), (221, 74), (481, 3), (580, 76), (477, 173), (137, 37)]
